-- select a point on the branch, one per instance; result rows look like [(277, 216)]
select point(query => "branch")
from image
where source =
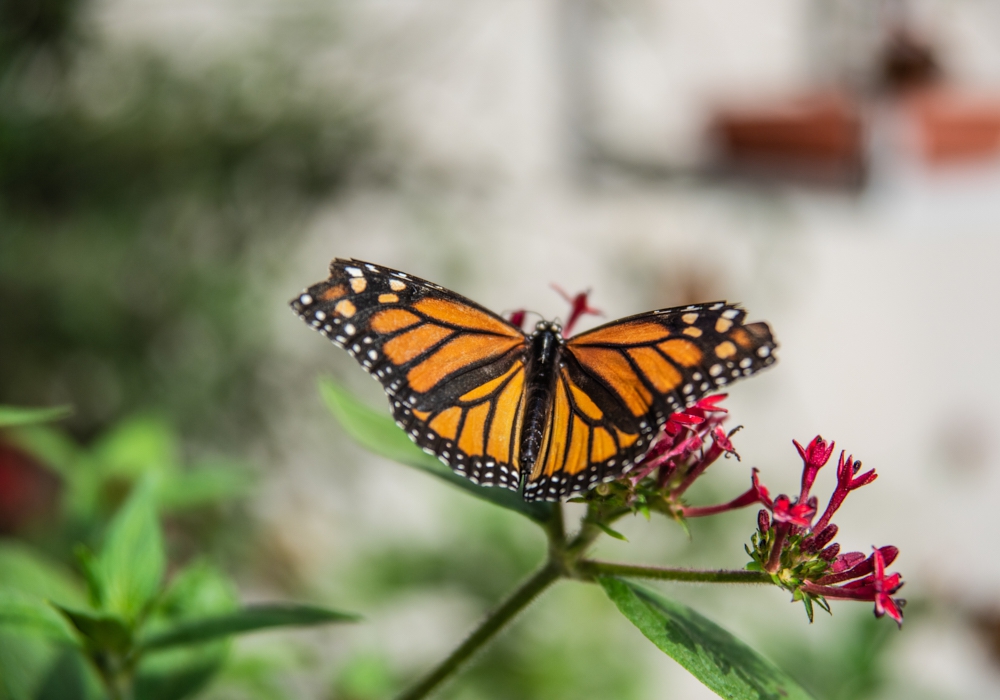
[(496, 621), (592, 568)]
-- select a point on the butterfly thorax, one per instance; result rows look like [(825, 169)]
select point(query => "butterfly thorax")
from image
[(542, 366)]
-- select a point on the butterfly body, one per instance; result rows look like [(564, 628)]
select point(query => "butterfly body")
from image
[(543, 358), (552, 415)]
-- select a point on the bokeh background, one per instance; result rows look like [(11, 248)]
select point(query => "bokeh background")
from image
[(171, 173)]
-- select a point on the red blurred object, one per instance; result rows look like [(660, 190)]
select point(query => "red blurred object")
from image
[(28, 491), (952, 127), (817, 138)]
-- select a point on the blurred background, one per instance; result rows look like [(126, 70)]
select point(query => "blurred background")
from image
[(171, 173)]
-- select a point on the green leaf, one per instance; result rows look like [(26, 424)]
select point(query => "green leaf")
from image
[(91, 569), (377, 432), (204, 486), (132, 561), (105, 632), (25, 570), (48, 445), (610, 532), (249, 619), (65, 679), (197, 591), (714, 656), (179, 674), (27, 614), (138, 446), (11, 416)]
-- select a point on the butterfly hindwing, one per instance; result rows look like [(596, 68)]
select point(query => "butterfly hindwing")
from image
[(634, 373), (453, 370), (588, 438)]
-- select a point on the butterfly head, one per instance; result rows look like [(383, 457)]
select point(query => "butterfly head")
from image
[(548, 327)]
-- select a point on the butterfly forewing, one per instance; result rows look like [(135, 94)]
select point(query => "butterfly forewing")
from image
[(454, 372), (624, 380)]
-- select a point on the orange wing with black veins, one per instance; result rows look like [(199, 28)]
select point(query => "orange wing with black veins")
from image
[(454, 371)]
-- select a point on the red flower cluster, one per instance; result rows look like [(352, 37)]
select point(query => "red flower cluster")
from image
[(689, 443), (798, 551)]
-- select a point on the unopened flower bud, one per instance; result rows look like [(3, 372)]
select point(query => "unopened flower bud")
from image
[(763, 521), (831, 552)]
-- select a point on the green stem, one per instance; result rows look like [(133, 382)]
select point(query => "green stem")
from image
[(496, 621), (592, 568), (555, 528)]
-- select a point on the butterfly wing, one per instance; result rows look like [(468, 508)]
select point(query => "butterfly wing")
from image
[(620, 382), (454, 371)]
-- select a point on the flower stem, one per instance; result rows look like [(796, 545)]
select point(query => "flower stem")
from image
[(496, 621), (603, 568)]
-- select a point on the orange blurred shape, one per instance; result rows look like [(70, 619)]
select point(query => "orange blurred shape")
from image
[(953, 127), (818, 136)]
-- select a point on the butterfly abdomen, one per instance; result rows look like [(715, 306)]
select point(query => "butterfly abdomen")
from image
[(543, 357)]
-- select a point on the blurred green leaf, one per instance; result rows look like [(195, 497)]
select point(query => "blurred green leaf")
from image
[(366, 677), (204, 486), (197, 591), (105, 632), (132, 561), (249, 619), (11, 416), (138, 446), (28, 614), (91, 568), (66, 679), (378, 433), (24, 661), (24, 570), (178, 674), (714, 656), (50, 446)]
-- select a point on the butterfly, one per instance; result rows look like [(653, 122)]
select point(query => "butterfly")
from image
[(505, 408)]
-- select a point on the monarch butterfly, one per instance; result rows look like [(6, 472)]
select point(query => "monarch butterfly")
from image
[(501, 407)]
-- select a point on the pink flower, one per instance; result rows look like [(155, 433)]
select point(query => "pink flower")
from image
[(870, 582), (517, 318), (814, 457), (790, 542), (578, 307), (884, 587), (846, 482), (785, 510)]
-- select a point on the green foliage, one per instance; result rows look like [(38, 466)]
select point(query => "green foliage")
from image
[(96, 479), (31, 614), (132, 561), (715, 657), (249, 619), (377, 432), (157, 193), (11, 416), (137, 638)]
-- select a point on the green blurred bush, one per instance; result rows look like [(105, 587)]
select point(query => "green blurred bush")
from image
[(143, 212)]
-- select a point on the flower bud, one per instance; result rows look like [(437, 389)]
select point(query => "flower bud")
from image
[(763, 521)]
